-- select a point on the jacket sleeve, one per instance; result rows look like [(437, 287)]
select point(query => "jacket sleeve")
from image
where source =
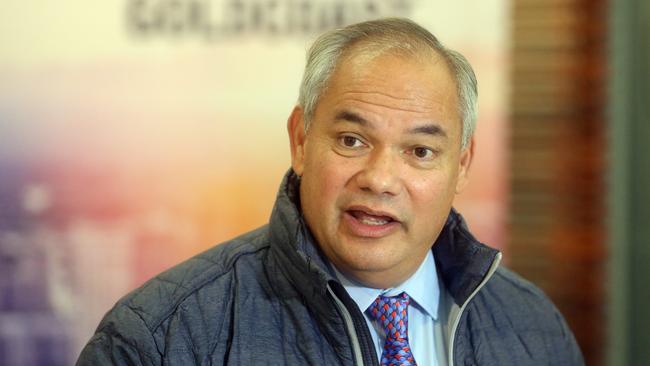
[(122, 338), (572, 354)]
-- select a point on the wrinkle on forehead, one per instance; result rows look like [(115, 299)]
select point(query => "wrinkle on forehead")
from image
[(362, 76), (385, 100), (379, 93)]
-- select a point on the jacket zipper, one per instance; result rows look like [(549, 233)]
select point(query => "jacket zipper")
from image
[(493, 268), (347, 318), (356, 347)]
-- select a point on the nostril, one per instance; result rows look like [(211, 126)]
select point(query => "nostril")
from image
[(379, 177)]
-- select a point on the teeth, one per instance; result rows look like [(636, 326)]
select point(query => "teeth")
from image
[(373, 221)]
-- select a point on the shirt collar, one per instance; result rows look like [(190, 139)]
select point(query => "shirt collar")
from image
[(422, 287)]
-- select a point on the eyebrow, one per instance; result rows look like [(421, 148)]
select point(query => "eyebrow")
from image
[(429, 129), (432, 129), (351, 117)]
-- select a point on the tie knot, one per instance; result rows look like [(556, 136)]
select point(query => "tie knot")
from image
[(392, 314)]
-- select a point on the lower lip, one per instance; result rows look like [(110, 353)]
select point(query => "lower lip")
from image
[(369, 231)]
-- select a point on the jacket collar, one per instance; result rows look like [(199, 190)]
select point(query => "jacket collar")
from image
[(299, 257), (462, 261)]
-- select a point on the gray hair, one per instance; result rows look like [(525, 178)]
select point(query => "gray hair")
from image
[(378, 36)]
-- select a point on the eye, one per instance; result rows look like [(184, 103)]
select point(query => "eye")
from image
[(351, 141), (423, 153)]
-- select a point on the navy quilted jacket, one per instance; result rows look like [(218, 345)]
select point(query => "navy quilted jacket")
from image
[(268, 297)]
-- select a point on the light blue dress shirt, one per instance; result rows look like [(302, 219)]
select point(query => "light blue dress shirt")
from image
[(423, 323)]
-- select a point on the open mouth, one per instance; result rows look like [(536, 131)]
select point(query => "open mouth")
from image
[(364, 222), (370, 219)]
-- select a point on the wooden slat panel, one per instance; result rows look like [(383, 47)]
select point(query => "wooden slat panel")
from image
[(557, 160)]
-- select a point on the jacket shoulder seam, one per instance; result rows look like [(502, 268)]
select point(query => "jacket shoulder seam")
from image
[(102, 332), (225, 270), (247, 249), (519, 282)]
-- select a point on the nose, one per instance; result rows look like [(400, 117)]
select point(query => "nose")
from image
[(380, 174)]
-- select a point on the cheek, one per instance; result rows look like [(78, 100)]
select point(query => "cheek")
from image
[(326, 178), (433, 192), (333, 182)]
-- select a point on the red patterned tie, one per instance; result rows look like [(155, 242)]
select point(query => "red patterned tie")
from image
[(392, 314)]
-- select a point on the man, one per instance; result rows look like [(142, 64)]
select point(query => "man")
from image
[(364, 261)]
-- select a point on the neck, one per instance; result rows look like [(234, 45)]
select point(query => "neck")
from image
[(379, 279)]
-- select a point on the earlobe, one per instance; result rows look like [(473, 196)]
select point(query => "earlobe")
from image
[(296, 130), (465, 162)]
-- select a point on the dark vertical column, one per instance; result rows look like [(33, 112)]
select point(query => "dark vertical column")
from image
[(629, 320), (559, 148)]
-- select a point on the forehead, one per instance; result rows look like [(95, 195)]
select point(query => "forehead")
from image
[(419, 85)]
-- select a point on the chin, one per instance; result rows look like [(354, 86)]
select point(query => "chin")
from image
[(369, 265)]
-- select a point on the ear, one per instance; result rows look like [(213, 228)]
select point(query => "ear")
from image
[(465, 162), (296, 129)]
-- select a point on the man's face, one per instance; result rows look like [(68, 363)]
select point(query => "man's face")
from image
[(380, 164)]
